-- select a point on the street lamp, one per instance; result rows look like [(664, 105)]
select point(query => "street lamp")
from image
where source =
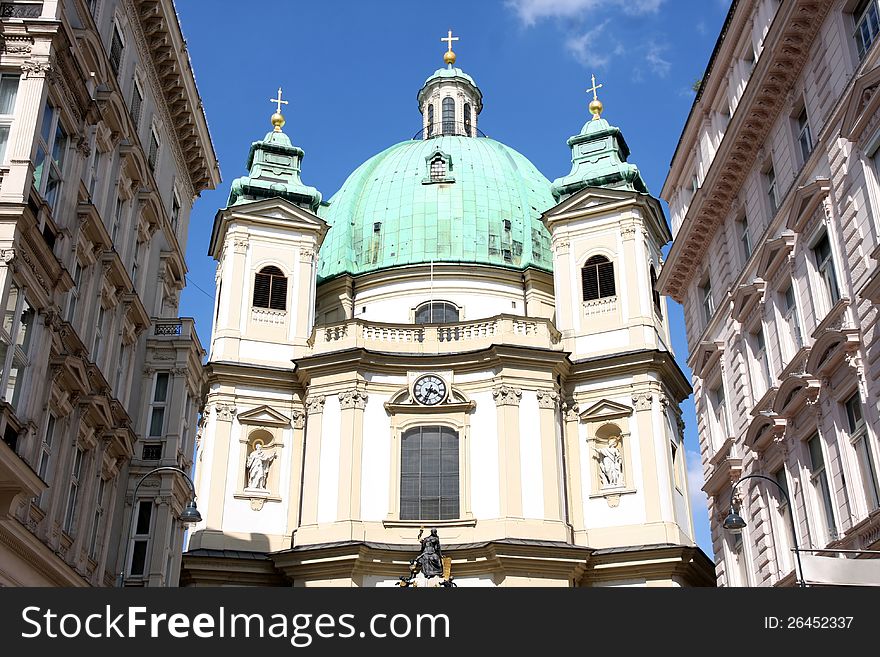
[(734, 522), (189, 516)]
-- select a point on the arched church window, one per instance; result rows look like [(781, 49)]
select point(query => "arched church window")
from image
[(467, 119), (431, 119), (436, 312), (598, 278), (429, 477), (270, 289), (448, 116), (438, 169), (655, 295)]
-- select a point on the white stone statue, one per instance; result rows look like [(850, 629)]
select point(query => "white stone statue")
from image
[(610, 464), (258, 467)]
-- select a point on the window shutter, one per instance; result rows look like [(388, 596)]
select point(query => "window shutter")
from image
[(261, 290), (606, 280), (278, 298)]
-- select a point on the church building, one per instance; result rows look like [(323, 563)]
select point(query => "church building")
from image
[(450, 342)]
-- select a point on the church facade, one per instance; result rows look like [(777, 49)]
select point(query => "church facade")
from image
[(451, 342)]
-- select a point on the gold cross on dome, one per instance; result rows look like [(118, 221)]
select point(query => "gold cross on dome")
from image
[(278, 101), (594, 88), (449, 39)]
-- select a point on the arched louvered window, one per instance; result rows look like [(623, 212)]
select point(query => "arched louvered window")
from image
[(598, 278), (429, 474), (467, 120), (655, 295), (431, 119), (437, 312), (448, 116), (270, 289)]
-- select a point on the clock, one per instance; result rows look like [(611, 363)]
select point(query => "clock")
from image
[(429, 390)]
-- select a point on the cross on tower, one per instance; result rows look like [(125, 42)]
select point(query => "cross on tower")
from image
[(449, 39), (278, 101), (594, 88)]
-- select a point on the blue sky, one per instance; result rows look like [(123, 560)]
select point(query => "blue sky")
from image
[(351, 71)]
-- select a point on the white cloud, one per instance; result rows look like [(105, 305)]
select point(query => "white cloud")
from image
[(583, 47), (655, 61), (531, 11)]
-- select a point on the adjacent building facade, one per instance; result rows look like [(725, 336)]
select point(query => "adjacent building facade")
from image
[(452, 341), (774, 193), (103, 148)]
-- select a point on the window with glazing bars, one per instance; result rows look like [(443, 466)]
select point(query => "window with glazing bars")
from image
[(867, 25), (429, 483), (116, 47), (597, 277), (270, 289), (436, 312), (448, 116)]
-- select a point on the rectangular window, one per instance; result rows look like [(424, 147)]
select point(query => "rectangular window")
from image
[(121, 370), (73, 295), (707, 300), (819, 479), (152, 452), (16, 336), (867, 25), (745, 240), (805, 138), (762, 362), (739, 556), (788, 305), (94, 543), (772, 195), (8, 94), (429, 478), (860, 439), (175, 211), (73, 491), (783, 524), (153, 156), (117, 219), (825, 267), (99, 334), (137, 100), (157, 408), (44, 468), (136, 264), (722, 422), (117, 45), (49, 162), (141, 538)]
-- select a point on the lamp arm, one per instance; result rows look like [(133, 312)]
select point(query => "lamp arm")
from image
[(164, 468), (797, 550)]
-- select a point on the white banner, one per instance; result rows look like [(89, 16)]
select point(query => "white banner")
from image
[(840, 572)]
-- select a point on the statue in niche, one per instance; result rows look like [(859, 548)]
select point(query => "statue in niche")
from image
[(610, 463), (258, 467)]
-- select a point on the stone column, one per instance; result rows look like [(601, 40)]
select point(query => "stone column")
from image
[(352, 402), (222, 434), (548, 403), (648, 457), (570, 426), (312, 459), (297, 445), (507, 400), (160, 540)]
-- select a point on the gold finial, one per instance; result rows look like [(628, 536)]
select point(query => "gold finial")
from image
[(278, 118), (596, 106), (449, 56)]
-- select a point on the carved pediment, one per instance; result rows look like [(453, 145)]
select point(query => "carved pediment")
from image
[(605, 410), (705, 356), (807, 199), (264, 416), (861, 105), (773, 253), (746, 297)]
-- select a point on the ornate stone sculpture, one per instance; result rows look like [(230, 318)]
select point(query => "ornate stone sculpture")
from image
[(258, 467), (610, 464), (429, 568)]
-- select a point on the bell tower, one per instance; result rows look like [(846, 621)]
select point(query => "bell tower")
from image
[(266, 242)]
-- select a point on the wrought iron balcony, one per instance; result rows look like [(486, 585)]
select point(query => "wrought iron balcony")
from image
[(448, 129)]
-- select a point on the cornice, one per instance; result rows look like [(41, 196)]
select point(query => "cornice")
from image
[(786, 49)]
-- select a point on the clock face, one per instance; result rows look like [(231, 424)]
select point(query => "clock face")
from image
[(429, 390)]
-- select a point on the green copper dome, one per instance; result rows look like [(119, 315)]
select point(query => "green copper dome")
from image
[(447, 199)]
